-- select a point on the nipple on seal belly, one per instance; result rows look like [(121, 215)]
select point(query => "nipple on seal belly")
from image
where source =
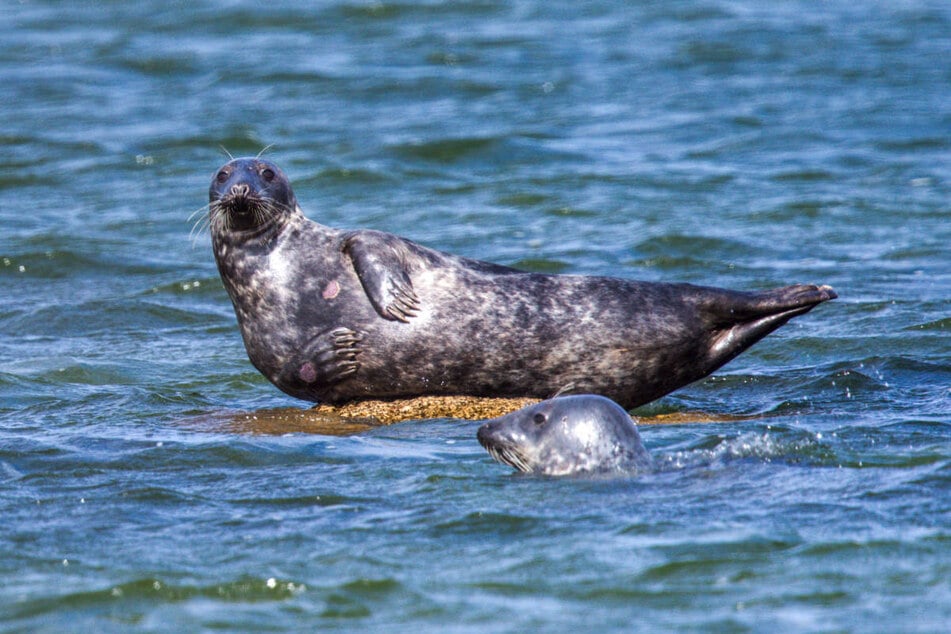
[(331, 290)]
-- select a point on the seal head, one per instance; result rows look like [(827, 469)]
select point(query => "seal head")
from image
[(248, 196), (567, 435)]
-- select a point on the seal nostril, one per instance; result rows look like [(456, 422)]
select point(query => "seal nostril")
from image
[(240, 189)]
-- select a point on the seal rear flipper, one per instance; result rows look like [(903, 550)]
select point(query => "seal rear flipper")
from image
[(382, 270), (746, 322), (798, 296)]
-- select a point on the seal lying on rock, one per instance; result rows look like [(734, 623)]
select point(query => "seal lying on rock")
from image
[(332, 316), (567, 435)]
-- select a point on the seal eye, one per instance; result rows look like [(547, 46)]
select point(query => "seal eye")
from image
[(267, 174), (222, 176), (539, 419)]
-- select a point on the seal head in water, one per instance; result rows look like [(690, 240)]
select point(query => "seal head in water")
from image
[(567, 435)]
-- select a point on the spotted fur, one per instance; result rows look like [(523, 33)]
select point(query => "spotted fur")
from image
[(331, 315)]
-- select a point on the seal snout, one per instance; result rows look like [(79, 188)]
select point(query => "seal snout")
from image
[(239, 199), (493, 440), (240, 190), (483, 434), (249, 195), (240, 202)]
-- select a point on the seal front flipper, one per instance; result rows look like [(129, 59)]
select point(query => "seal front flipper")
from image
[(327, 359), (380, 262)]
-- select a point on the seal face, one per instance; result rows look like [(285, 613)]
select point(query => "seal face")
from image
[(567, 435), (330, 315)]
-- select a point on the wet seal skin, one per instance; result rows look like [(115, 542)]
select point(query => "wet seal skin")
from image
[(333, 316), (567, 435)]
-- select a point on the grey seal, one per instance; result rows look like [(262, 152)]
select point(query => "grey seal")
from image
[(567, 435), (332, 315)]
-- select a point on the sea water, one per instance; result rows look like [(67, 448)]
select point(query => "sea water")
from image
[(732, 143)]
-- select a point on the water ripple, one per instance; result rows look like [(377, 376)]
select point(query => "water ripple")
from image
[(151, 478)]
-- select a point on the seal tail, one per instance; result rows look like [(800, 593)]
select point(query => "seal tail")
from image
[(749, 321)]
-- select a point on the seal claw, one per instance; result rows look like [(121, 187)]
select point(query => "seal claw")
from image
[(405, 305), (346, 338), (327, 359), (343, 372)]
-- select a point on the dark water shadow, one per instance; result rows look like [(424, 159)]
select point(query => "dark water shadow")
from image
[(323, 420), (279, 421)]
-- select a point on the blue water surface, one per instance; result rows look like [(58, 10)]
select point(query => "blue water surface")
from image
[(723, 142)]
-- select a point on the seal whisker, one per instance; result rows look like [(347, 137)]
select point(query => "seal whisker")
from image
[(507, 455), (199, 222), (203, 209), (515, 459), (564, 389), (218, 217), (274, 207), (198, 229), (267, 211), (495, 453)]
